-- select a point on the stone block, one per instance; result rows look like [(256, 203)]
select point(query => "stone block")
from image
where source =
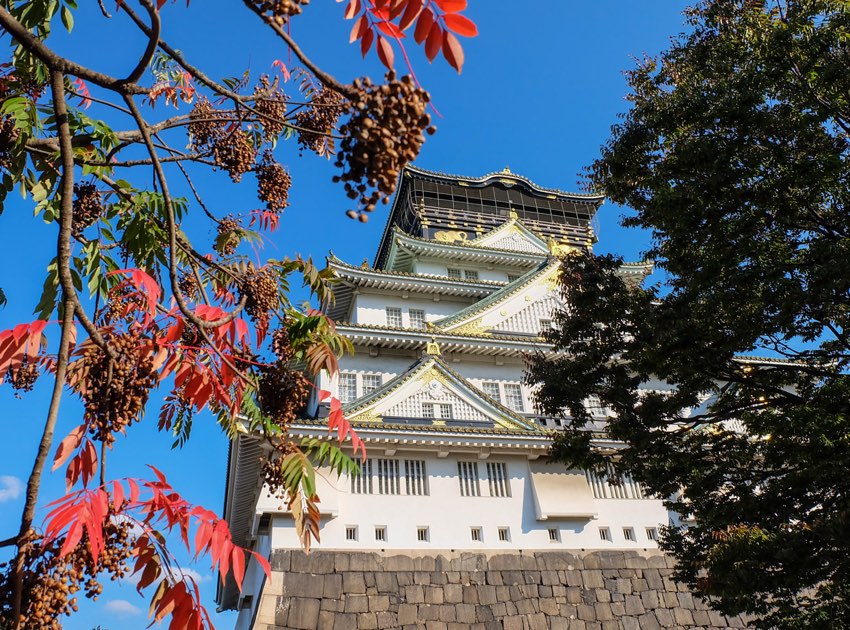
[(303, 585), (611, 559), (303, 613), (447, 613), (435, 625), (618, 608), (465, 613), (453, 593), (494, 578), (603, 595), (386, 582), (379, 603), (342, 562), (404, 578), (592, 561), (648, 621), (332, 586), (686, 600), (669, 600), (716, 618), (610, 625), (631, 623), (592, 578), (279, 560), (414, 594), (512, 623), (365, 562), (701, 618), (470, 595), (559, 623), (603, 612), (356, 604), (421, 577), (653, 579), (531, 577), (476, 577), (473, 562), (320, 562), (407, 614), (367, 621), (649, 599), (486, 595), (636, 562), (425, 563), (549, 577), (433, 595), (427, 612), (505, 562), (344, 621), (657, 561), (353, 583), (549, 607), (577, 624), (555, 560), (586, 612), (623, 586), (544, 591), (513, 577), (683, 617), (639, 585), (574, 595), (438, 578), (333, 605), (387, 619), (537, 622), (665, 617), (634, 605), (573, 578), (453, 577)]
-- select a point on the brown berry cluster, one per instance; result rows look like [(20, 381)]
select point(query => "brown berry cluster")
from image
[(283, 393), (272, 471), (188, 285), (24, 377), (204, 126), (88, 206), (50, 582), (116, 391), (273, 182), (386, 130), (260, 289), (319, 120), (270, 103), (228, 238), (280, 10), (282, 345), (122, 304), (8, 138), (234, 153)]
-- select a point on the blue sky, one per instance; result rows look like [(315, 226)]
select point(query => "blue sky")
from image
[(541, 87)]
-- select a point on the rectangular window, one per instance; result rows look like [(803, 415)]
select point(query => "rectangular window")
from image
[(492, 390), (513, 397), (467, 473), (454, 274), (554, 535), (347, 387), (512, 277), (394, 317), (476, 534), (388, 476), (362, 483), (469, 274), (351, 532), (545, 324), (415, 480), (428, 410), (371, 382), (417, 318), (381, 534), (596, 408), (651, 534), (504, 534), (445, 411), (629, 534), (422, 534), (605, 534), (497, 475)]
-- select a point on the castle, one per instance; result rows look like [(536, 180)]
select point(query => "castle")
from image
[(456, 485)]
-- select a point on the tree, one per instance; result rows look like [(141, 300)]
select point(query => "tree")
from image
[(735, 155), (142, 307)]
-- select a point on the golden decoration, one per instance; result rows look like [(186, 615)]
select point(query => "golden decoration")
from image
[(512, 214), (475, 327), (367, 417), (432, 348), (560, 249), (450, 236)]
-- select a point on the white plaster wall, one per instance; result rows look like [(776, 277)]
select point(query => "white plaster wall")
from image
[(370, 308), (449, 516), (252, 584), (493, 273)]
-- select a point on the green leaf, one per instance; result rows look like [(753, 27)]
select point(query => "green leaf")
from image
[(67, 18)]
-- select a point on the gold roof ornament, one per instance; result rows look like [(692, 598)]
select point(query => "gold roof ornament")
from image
[(450, 236), (560, 249), (507, 169), (432, 348), (512, 214)]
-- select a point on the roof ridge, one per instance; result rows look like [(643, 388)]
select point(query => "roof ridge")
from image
[(458, 245), (406, 274)]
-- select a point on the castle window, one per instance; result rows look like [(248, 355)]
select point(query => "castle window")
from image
[(362, 483), (371, 382), (417, 318), (596, 408), (545, 324), (416, 482), (476, 534), (381, 534), (504, 534), (467, 473), (422, 534), (513, 397), (454, 274), (394, 317), (613, 486), (651, 534), (492, 390), (554, 535), (605, 534), (470, 275), (388, 476), (629, 534), (347, 387), (442, 411), (351, 532), (497, 475)]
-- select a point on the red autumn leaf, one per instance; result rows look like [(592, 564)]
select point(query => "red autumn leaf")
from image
[(145, 285), (434, 41), (68, 446), (461, 25), (390, 29), (83, 90), (237, 561), (352, 9), (423, 25), (396, 8), (453, 51), (451, 6), (22, 341), (385, 52), (411, 12), (358, 29), (284, 71), (117, 494)]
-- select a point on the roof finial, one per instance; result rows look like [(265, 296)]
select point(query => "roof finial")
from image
[(432, 348), (507, 169), (512, 214)]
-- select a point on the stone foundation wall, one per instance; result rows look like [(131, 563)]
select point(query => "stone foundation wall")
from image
[(605, 590)]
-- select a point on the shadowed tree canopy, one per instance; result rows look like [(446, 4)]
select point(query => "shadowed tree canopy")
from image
[(735, 156)]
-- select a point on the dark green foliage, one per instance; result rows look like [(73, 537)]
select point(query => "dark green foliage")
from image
[(735, 156)]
